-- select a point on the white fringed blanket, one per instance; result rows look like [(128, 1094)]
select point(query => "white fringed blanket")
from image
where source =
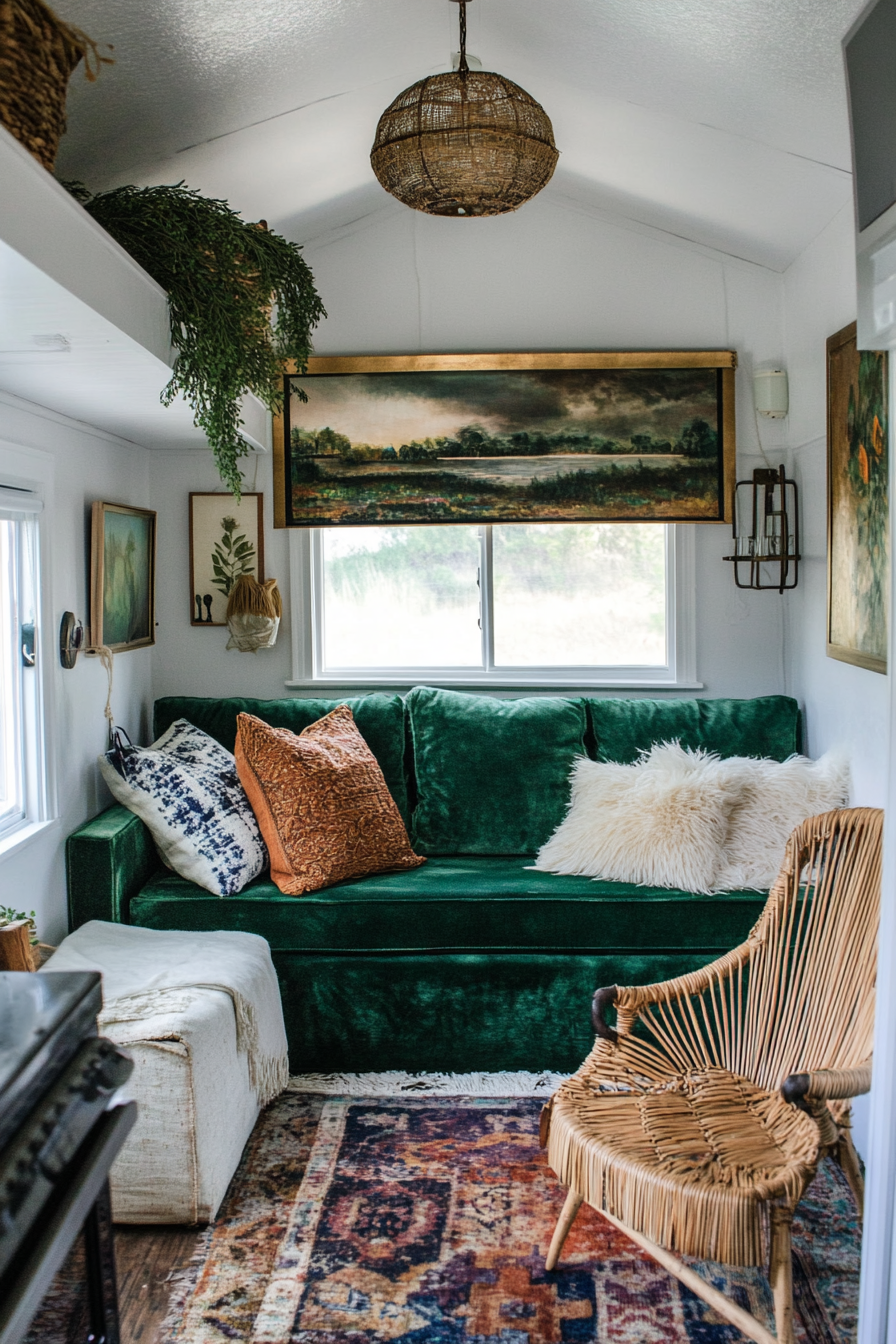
[(143, 969)]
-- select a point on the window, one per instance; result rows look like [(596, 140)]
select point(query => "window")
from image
[(607, 603), (22, 776)]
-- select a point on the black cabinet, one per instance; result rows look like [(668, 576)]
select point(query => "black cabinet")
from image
[(58, 1139)]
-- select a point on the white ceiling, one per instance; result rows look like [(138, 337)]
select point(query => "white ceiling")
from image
[(723, 121)]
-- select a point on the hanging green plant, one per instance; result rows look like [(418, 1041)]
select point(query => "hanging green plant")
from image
[(224, 279)]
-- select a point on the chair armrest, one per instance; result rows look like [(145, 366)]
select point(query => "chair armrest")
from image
[(108, 860), (826, 1085), (603, 999), (631, 999)]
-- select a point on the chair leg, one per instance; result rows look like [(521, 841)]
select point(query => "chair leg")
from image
[(561, 1231), (781, 1273), (730, 1311), (849, 1163)]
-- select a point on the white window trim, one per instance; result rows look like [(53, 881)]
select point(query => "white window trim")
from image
[(681, 673), (31, 469)]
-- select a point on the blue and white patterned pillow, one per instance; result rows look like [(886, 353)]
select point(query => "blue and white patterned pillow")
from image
[(186, 789)]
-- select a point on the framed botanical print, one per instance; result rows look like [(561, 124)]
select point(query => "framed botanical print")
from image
[(640, 436), (226, 541), (122, 577), (858, 503)]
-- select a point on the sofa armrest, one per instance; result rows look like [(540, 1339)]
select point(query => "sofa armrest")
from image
[(108, 860)]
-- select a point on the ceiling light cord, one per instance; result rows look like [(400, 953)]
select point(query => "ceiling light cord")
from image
[(463, 68)]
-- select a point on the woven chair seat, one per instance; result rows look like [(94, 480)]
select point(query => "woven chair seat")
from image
[(690, 1160)]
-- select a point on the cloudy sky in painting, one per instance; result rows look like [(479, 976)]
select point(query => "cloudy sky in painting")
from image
[(383, 408)]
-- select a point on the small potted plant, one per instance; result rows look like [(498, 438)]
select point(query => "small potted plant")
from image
[(241, 301), (19, 946)]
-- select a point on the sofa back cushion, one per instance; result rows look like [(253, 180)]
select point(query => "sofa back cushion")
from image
[(768, 726), (492, 776), (379, 718)]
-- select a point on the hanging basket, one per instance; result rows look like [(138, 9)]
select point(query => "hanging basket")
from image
[(38, 53), (253, 614)]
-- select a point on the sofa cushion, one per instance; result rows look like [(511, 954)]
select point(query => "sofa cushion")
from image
[(769, 726), (321, 802), (463, 904), (492, 776), (380, 720), (185, 788)]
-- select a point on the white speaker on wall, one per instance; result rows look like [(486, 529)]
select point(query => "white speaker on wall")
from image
[(771, 393)]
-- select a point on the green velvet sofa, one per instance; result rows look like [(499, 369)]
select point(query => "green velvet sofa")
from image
[(472, 961)]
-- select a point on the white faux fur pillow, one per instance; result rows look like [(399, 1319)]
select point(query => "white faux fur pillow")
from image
[(773, 798), (660, 822)]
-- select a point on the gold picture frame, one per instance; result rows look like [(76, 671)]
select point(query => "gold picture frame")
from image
[(324, 477), (122, 577), (226, 540), (858, 570)]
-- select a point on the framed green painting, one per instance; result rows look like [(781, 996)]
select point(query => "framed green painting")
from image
[(122, 577), (858, 503), (639, 436)]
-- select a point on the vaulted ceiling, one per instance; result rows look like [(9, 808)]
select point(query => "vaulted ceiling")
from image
[(722, 121)]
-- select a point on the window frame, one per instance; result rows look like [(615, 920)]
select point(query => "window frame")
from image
[(305, 564), (33, 471)]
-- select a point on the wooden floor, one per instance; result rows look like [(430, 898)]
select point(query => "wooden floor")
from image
[(147, 1259)]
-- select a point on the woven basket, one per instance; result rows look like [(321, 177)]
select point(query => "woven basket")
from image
[(38, 53), (466, 143)]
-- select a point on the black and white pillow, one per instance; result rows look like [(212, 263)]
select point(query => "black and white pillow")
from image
[(186, 789)]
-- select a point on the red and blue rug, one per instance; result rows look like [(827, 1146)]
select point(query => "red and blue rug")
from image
[(426, 1221)]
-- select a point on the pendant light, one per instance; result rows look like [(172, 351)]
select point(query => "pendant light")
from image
[(468, 143)]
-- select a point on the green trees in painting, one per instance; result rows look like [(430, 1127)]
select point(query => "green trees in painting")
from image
[(696, 440)]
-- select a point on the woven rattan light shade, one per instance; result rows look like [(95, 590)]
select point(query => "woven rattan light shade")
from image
[(466, 143)]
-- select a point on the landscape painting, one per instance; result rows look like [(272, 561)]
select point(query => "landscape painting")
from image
[(858, 503), (524, 438), (122, 563)]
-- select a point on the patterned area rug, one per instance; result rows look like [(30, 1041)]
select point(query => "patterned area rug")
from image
[(426, 1221)]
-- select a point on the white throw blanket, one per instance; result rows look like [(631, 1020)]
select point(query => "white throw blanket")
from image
[(141, 968)]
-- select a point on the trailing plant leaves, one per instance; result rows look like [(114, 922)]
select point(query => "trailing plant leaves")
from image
[(224, 278)]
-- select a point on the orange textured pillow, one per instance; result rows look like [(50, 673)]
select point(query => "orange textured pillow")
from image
[(321, 801)]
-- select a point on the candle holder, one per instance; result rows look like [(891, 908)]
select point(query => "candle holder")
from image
[(766, 539)]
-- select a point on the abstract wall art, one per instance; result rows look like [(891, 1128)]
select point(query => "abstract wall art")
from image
[(858, 503)]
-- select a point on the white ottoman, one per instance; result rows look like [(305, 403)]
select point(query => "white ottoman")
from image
[(193, 1074), (196, 1109)]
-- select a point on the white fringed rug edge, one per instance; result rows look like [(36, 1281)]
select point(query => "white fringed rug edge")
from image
[(396, 1084)]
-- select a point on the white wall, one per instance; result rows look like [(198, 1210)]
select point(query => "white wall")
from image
[(550, 277), (84, 465), (846, 706), (190, 660)]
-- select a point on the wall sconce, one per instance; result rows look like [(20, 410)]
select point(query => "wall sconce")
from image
[(71, 639), (766, 531)]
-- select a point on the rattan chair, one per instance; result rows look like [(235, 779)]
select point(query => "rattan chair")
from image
[(696, 1126)]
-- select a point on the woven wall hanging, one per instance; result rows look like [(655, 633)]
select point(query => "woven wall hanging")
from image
[(465, 143)]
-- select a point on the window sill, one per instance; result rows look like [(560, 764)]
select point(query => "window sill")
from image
[(498, 684), (24, 836)]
